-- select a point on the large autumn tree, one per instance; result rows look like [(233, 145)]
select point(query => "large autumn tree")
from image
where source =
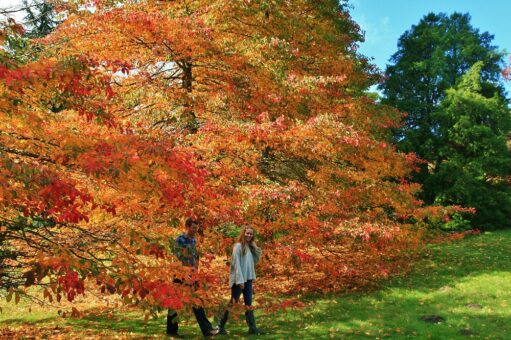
[(137, 114)]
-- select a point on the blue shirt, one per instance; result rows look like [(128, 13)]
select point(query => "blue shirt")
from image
[(185, 248)]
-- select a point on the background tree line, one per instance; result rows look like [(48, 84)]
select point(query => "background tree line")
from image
[(446, 78)]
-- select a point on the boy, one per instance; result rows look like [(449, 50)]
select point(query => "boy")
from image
[(185, 248)]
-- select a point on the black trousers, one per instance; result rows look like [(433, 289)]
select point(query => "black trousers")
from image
[(200, 315)]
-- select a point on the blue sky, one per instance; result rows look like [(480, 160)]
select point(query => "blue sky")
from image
[(384, 21)]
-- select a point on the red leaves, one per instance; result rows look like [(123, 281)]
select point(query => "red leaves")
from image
[(71, 284), (454, 236), (185, 179), (172, 303), (291, 303), (99, 159), (63, 201), (166, 295), (47, 195), (15, 27), (157, 251), (109, 91), (302, 256)]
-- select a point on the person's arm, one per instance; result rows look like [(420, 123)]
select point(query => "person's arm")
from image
[(194, 253), (256, 252), (236, 263)]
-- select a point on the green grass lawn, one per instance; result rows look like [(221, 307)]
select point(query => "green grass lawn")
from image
[(467, 283)]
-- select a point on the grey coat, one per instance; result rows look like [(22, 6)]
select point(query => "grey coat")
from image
[(243, 266)]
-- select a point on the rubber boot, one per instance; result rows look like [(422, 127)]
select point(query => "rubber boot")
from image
[(222, 322), (172, 325), (252, 329)]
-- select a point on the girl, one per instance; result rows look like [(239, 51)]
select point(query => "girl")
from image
[(245, 255)]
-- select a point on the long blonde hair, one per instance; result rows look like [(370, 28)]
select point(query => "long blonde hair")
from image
[(242, 239)]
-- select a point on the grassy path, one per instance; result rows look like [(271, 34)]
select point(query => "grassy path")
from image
[(466, 283)]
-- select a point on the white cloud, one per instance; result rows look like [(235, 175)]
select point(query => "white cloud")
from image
[(10, 5), (376, 32)]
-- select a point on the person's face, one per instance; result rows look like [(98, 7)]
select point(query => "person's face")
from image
[(249, 235), (192, 229)]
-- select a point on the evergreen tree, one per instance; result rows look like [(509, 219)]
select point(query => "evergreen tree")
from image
[(432, 56), (473, 162)]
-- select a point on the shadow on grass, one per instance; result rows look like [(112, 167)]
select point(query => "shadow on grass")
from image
[(468, 283), (132, 323), (27, 320), (188, 327)]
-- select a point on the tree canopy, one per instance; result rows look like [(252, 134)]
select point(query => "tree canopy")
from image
[(473, 162), (457, 117), (431, 58), (135, 115)]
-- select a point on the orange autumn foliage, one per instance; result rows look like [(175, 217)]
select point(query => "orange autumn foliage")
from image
[(136, 115)]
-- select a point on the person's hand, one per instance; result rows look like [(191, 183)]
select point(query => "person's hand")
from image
[(242, 286)]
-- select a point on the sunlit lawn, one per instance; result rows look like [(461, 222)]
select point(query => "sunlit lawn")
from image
[(466, 283)]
